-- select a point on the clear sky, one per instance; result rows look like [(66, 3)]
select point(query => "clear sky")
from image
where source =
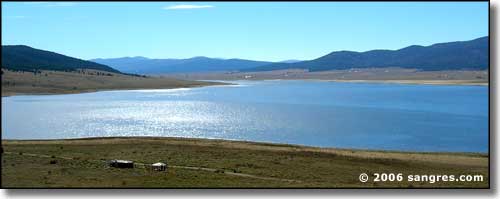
[(251, 30)]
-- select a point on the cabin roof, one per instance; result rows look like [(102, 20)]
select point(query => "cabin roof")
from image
[(123, 161), (159, 164)]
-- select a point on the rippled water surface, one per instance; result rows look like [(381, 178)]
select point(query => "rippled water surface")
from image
[(328, 114)]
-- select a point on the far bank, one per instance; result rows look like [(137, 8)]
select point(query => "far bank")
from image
[(81, 81), (371, 75)]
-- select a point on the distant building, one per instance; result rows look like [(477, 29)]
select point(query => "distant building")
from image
[(121, 163), (159, 166)]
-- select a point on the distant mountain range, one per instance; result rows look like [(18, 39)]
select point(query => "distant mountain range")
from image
[(20, 57), (461, 55), (142, 65), (290, 61)]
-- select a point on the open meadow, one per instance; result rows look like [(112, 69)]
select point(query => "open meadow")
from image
[(202, 163)]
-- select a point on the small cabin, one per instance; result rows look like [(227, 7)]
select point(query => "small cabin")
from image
[(121, 163), (159, 166)]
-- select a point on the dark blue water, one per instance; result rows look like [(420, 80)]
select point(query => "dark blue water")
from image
[(327, 114)]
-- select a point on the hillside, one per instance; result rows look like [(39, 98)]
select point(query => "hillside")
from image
[(25, 58), (142, 65), (461, 55)]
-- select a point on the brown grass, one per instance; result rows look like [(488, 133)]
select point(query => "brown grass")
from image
[(56, 82), (376, 75), (78, 164)]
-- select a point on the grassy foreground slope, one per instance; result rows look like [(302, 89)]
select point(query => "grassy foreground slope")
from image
[(58, 82), (217, 163)]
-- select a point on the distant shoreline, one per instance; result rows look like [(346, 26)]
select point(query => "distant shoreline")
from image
[(421, 82), (218, 83), (367, 75), (86, 81), (11, 94)]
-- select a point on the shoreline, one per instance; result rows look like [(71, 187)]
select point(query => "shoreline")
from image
[(371, 75), (224, 83), (268, 143), (212, 83), (414, 82), (216, 163), (58, 82), (395, 154), (420, 82)]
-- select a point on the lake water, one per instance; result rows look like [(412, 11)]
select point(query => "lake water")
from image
[(315, 113)]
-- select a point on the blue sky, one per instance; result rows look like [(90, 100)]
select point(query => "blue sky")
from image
[(251, 30)]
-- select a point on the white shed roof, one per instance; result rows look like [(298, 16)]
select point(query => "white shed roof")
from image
[(123, 161)]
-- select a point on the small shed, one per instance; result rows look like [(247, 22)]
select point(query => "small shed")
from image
[(159, 166), (121, 163)]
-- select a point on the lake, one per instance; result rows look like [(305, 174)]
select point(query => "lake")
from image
[(315, 113)]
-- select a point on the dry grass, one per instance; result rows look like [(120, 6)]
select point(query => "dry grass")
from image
[(382, 75), (56, 82), (310, 166)]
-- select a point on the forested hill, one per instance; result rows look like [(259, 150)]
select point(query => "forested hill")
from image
[(21, 57), (460, 55)]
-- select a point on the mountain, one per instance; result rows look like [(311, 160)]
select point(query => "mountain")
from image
[(142, 65), (290, 61), (20, 57), (460, 55)]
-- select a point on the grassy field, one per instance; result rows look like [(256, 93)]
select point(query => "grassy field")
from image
[(56, 82), (377, 75), (202, 163)]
